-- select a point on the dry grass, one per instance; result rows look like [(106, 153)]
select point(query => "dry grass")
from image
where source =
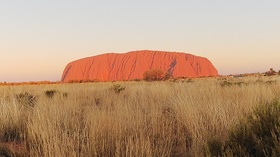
[(171, 118)]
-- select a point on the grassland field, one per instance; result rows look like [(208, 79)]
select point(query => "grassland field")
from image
[(131, 119)]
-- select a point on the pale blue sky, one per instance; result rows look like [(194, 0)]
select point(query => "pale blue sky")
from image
[(38, 37)]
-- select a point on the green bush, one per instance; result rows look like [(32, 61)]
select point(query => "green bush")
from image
[(257, 135)]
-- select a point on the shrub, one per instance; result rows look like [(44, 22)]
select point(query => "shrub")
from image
[(97, 102), (270, 72), (50, 93), (74, 81), (153, 75), (26, 99), (5, 151), (279, 72), (190, 80), (136, 79), (228, 83), (257, 135), (11, 133), (64, 94), (86, 81), (167, 76), (118, 88), (214, 147), (271, 82), (13, 149)]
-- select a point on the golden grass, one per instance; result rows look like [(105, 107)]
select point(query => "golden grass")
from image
[(145, 119)]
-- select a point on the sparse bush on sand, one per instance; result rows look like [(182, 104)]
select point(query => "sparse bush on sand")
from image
[(182, 118)]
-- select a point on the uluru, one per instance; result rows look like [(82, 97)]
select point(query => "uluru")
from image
[(132, 65)]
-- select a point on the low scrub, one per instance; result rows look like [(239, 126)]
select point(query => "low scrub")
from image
[(117, 88), (26, 99), (257, 135), (228, 83), (161, 118), (154, 75), (50, 93)]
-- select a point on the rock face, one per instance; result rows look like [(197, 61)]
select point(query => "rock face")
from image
[(132, 65)]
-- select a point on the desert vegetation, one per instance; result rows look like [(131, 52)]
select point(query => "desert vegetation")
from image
[(182, 117), (153, 75)]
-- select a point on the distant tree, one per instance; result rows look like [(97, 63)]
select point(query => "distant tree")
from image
[(270, 72), (153, 75), (279, 72)]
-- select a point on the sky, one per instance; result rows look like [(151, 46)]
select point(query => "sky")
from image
[(39, 37)]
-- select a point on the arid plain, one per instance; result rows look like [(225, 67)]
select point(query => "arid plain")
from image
[(176, 117)]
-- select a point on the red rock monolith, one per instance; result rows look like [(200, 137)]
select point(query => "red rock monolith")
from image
[(132, 65)]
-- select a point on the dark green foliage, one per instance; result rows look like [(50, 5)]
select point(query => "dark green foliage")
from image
[(50, 93), (118, 88), (258, 135)]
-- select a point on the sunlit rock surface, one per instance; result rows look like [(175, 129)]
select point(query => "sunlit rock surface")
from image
[(132, 65)]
